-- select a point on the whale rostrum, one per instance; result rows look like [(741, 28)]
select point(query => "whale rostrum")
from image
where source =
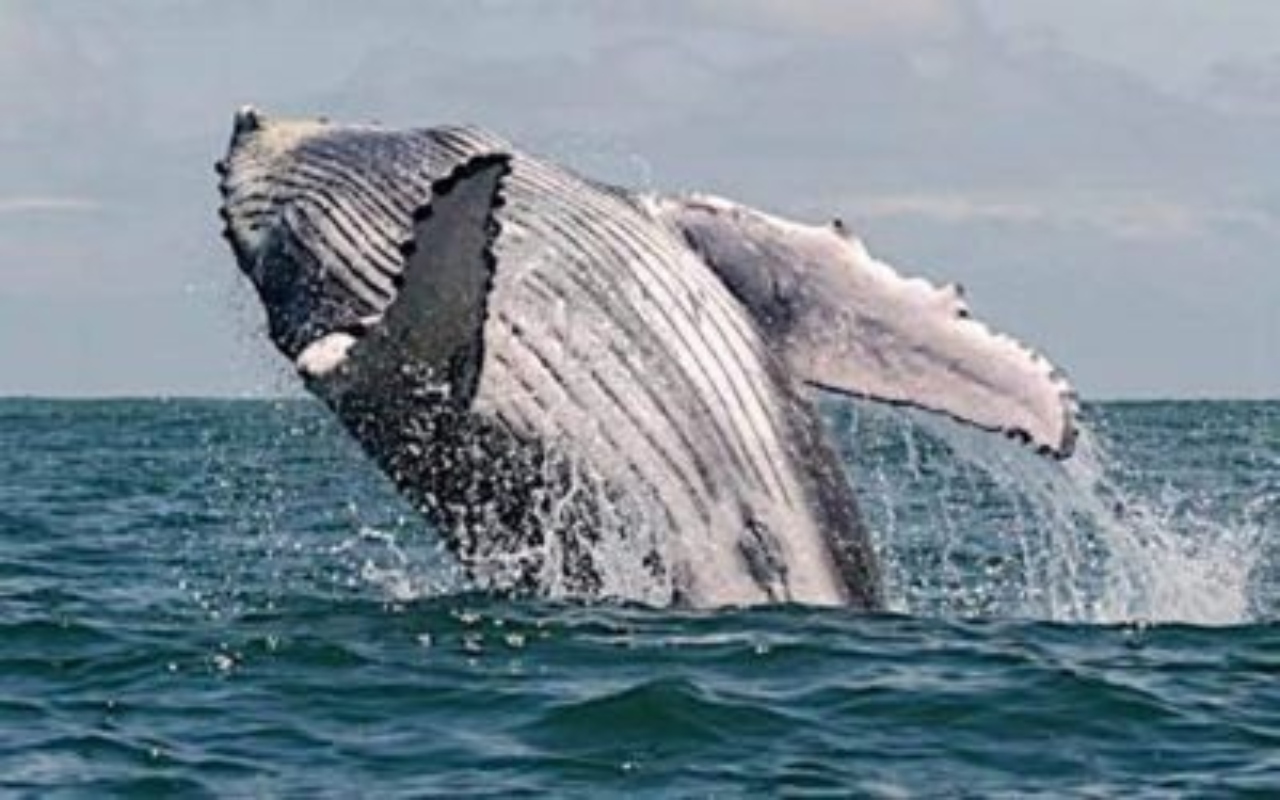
[(592, 392)]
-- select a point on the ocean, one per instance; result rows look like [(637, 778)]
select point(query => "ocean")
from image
[(223, 598)]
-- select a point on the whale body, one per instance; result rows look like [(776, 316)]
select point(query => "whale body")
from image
[(592, 392)]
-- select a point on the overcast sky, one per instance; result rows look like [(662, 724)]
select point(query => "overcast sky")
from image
[(1102, 175)]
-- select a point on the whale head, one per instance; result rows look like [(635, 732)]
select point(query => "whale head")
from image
[(312, 228)]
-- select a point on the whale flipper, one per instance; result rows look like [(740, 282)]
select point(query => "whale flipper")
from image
[(448, 273), (847, 322)]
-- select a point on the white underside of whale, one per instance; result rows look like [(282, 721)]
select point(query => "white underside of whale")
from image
[(661, 344)]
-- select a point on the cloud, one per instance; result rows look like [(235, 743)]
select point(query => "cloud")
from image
[(48, 205), (1246, 86), (1118, 216), (846, 18), (1135, 35), (942, 208), (954, 145)]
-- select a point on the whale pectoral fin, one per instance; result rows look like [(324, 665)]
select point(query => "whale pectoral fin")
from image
[(846, 322), (435, 323)]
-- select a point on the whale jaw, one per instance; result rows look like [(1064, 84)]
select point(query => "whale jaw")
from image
[(322, 261)]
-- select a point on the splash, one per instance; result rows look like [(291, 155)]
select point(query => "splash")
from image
[(967, 524), (972, 525)]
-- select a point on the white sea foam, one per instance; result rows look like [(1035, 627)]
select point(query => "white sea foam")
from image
[(969, 524)]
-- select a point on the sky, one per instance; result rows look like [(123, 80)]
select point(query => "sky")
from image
[(1103, 176)]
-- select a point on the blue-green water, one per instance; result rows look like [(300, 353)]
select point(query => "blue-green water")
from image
[(222, 598)]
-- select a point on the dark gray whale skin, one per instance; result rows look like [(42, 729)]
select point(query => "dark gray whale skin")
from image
[(591, 392)]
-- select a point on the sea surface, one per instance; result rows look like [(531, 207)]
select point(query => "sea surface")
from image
[(205, 598)]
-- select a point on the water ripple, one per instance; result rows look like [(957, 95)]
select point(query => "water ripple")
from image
[(210, 599)]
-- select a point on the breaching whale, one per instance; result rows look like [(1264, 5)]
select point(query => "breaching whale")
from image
[(593, 392)]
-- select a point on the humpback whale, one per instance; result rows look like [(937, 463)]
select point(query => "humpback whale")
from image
[(594, 392)]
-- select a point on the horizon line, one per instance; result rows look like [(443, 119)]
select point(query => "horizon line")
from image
[(300, 396)]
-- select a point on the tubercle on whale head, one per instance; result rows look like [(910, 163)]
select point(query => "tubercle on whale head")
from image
[(246, 120)]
